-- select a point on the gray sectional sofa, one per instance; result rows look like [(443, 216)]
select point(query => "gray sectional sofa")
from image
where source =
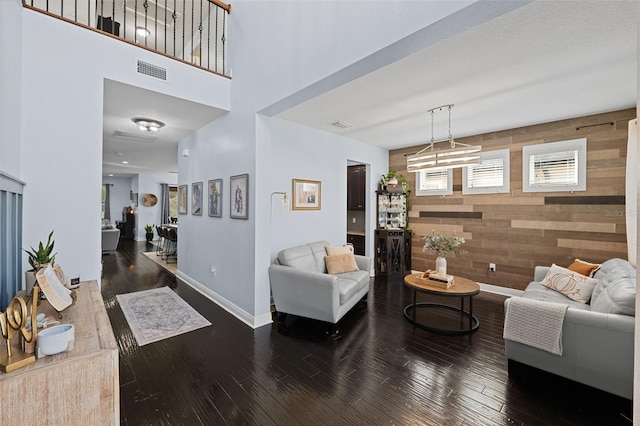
[(597, 337), (301, 285)]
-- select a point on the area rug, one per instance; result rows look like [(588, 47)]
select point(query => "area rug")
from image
[(159, 314), (171, 267)]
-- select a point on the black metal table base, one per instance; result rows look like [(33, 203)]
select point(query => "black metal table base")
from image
[(473, 322)]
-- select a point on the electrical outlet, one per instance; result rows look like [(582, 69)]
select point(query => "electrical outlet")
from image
[(213, 270), (492, 267), (354, 220)]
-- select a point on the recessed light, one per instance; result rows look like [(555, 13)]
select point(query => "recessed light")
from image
[(111, 174), (125, 162)]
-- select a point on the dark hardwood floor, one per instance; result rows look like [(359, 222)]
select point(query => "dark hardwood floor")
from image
[(378, 369)]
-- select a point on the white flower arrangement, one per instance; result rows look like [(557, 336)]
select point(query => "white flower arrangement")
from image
[(441, 245)]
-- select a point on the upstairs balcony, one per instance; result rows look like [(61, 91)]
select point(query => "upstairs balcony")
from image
[(190, 31)]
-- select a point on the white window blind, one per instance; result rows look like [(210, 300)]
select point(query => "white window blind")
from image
[(434, 183), (486, 175), (556, 168), (491, 176)]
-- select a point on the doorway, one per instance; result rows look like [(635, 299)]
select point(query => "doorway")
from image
[(357, 201)]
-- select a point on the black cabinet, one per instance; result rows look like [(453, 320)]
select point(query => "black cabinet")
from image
[(356, 187), (358, 243), (127, 226), (393, 252)]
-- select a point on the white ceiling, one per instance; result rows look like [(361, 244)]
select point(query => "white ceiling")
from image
[(545, 61), (146, 153)]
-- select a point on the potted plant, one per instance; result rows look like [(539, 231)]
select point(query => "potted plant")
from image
[(37, 259), (390, 181), (149, 232)]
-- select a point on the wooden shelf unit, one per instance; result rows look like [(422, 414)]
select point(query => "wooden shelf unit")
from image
[(79, 387)]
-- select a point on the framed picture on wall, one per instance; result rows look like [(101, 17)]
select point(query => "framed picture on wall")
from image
[(215, 197), (239, 197), (306, 194), (182, 199), (196, 198)]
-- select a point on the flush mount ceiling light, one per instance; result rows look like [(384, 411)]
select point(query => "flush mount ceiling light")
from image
[(142, 32), (459, 154), (148, 125)]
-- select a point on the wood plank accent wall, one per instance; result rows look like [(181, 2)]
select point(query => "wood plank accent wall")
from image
[(518, 231)]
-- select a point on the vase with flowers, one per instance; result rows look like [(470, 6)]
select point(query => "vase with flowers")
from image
[(441, 246)]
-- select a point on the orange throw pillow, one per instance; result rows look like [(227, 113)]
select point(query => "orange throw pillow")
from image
[(584, 268), (339, 263), (331, 250)]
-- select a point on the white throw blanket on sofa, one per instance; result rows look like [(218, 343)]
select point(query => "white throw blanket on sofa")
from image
[(535, 323)]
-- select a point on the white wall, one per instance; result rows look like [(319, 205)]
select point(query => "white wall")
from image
[(118, 195), (636, 372), (303, 153), (219, 150), (277, 49), (10, 84), (290, 45), (63, 70), (149, 183)]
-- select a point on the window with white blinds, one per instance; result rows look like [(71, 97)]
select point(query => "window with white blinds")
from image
[(556, 166), (434, 183), (491, 176)]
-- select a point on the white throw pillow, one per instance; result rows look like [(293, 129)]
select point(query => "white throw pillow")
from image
[(574, 285)]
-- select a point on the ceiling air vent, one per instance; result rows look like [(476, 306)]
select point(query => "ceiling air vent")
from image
[(152, 70), (341, 124), (134, 136)]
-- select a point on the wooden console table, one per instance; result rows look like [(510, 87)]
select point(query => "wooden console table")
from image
[(79, 387)]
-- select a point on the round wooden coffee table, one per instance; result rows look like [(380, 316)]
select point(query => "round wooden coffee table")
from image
[(461, 288)]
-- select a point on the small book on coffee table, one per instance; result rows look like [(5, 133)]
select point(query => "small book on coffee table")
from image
[(438, 280)]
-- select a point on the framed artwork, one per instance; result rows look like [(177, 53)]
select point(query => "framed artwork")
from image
[(196, 198), (182, 199), (306, 194), (239, 197), (215, 198)]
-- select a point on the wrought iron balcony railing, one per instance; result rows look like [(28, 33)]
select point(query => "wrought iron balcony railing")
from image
[(191, 31)]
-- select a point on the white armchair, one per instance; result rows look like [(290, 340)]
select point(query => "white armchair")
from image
[(110, 240), (301, 285)]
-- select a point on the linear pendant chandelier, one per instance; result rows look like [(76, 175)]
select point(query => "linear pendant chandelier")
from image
[(458, 155)]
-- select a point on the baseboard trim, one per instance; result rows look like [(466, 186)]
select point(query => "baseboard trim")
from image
[(232, 308), (504, 291), (490, 288)]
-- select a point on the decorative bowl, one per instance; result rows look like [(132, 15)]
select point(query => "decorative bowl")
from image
[(54, 340)]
